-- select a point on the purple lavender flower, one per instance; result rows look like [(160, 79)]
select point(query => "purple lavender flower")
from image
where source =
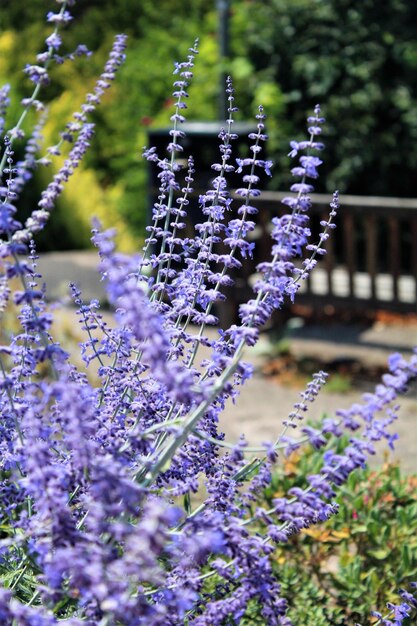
[(63, 17), (397, 612), (4, 103), (83, 131), (37, 74), (54, 41)]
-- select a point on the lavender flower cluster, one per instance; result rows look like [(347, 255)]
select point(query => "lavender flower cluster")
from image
[(121, 503)]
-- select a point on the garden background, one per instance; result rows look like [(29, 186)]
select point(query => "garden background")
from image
[(357, 58)]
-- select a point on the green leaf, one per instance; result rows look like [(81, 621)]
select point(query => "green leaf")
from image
[(380, 554), (187, 503)]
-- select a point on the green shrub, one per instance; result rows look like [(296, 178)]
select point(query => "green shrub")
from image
[(342, 569)]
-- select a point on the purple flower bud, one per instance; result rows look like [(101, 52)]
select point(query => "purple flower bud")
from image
[(58, 18), (54, 41)]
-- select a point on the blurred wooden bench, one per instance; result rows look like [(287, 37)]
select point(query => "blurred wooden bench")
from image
[(371, 260)]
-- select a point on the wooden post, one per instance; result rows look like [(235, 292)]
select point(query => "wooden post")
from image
[(394, 254), (348, 227), (371, 251)]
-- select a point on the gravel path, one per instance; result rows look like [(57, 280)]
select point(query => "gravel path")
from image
[(263, 403)]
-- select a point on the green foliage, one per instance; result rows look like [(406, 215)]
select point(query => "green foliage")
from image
[(139, 97), (338, 383), (355, 562), (339, 571), (357, 58)]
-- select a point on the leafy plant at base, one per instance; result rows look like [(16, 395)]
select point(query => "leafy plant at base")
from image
[(351, 564)]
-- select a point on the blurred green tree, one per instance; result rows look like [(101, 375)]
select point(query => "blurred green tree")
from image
[(358, 58)]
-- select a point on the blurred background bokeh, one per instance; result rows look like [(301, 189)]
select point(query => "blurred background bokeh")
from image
[(357, 58)]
